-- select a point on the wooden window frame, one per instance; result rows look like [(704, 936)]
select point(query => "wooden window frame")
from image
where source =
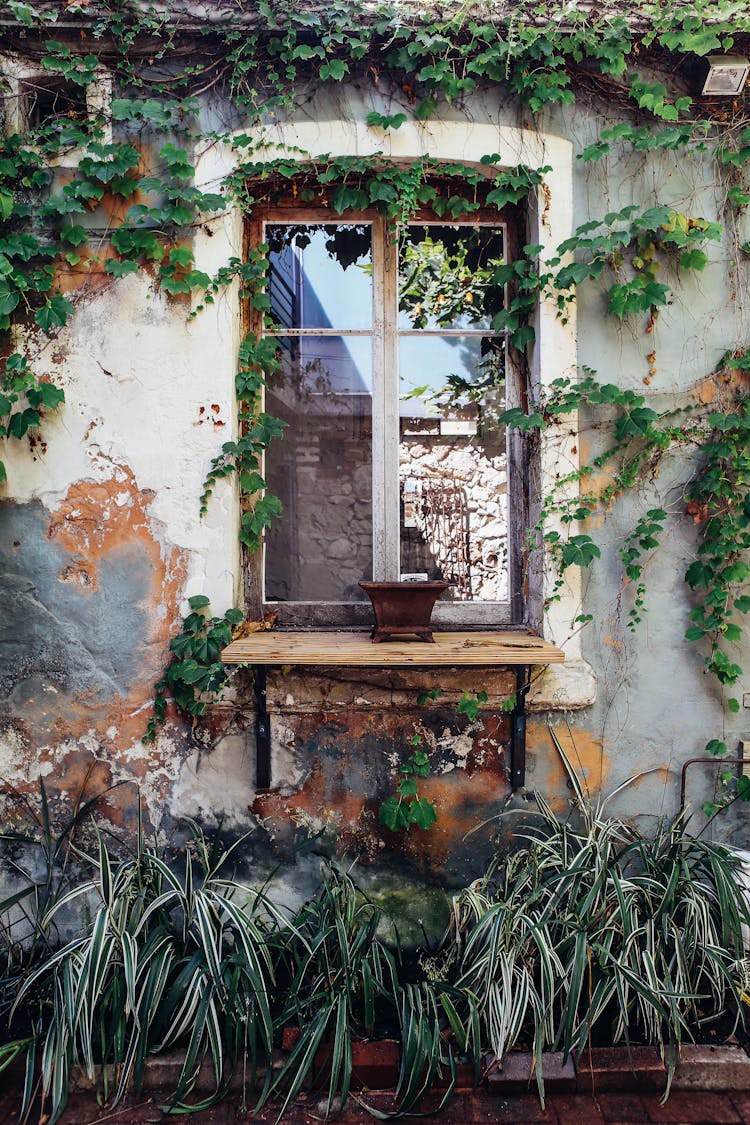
[(385, 337)]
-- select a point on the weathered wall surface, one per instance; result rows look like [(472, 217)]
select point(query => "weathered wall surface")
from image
[(101, 543)]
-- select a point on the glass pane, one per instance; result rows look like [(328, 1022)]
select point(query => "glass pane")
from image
[(447, 276), (453, 465), (322, 470), (320, 276)]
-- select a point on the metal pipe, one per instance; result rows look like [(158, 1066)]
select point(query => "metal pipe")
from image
[(715, 761)]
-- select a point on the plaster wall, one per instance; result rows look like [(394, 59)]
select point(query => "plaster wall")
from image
[(101, 543)]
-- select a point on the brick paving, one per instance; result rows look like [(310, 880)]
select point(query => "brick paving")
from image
[(466, 1108)]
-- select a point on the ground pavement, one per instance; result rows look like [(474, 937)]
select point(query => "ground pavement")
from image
[(683, 1108)]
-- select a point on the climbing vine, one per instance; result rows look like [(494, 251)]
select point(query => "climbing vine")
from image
[(108, 189)]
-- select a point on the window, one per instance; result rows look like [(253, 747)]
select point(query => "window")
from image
[(46, 98), (34, 97), (393, 463)]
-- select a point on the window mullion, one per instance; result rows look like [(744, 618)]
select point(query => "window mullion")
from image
[(389, 372), (385, 496)]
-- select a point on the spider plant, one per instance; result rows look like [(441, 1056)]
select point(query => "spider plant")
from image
[(37, 861), (338, 976), (167, 960), (592, 928)]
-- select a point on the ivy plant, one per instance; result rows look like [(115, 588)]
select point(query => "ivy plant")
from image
[(421, 60)]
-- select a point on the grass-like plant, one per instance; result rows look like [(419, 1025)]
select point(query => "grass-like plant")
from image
[(593, 932), (587, 932), (341, 979), (168, 959)]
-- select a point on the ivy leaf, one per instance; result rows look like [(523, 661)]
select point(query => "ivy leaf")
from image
[(422, 813), (46, 395), (393, 814), (120, 269), (54, 314), (580, 550), (20, 423), (407, 787), (75, 235), (733, 705), (468, 705), (199, 601), (425, 109), (694, 259), (251, 481), (181, 256), (335, 69), (8, 299), (384, 121), (23, 12)]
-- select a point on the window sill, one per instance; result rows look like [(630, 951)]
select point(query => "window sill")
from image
[(298, 647)]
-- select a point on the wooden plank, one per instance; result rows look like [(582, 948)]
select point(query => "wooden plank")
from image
[(329, 648)]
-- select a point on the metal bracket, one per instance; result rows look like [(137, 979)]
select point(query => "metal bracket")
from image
[(262, 730), (518, 729)]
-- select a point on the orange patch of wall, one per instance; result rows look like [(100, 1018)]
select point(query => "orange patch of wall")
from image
[(96, 519), (586, 752)]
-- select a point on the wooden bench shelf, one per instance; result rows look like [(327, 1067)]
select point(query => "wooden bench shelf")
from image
[(356, 649), (328, 649)]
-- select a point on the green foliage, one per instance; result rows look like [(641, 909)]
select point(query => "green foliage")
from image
[(641, 245), (24, 400), (338, 973), (651, 96), (552, 943), (470, 702), (644, 537), (719, 500), (244, 455), (588, 928), (429, 58), (166, 960), (399, 812), (196, 670), (386, 121)]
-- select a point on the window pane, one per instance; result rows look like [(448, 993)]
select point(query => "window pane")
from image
[(320, 276), (453, 464), (322, 470), (446, 276)]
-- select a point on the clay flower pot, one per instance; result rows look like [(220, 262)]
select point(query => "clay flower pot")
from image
[(403, 608)]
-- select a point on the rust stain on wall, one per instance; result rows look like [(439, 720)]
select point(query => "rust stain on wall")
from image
[(350, 765)]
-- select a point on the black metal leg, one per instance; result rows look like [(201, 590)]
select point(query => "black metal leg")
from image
[(518, 730), (262, 730)]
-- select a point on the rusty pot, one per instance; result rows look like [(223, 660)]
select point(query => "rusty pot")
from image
[(403, 608)]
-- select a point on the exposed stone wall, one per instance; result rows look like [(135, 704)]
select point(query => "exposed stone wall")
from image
[(468, 540), (321, 469)]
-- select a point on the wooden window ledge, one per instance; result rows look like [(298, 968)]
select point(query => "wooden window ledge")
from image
[(329, 648)]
